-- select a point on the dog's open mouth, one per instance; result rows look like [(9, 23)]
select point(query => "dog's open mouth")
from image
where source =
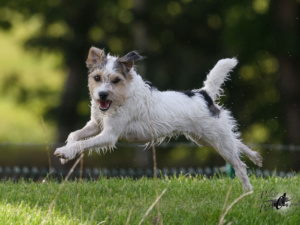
[(104, 104)]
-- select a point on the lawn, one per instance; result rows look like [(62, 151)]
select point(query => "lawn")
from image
[(125, 201)]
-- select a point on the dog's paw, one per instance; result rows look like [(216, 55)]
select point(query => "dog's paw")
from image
[(60, 152), (258, 159), (66, 153), (63, 161)]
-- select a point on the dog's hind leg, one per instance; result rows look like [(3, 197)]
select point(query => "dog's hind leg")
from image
[(228, 150), (230, 154), (252, 155), (240, 171)]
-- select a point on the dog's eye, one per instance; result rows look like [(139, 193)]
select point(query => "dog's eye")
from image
[(97, 78), (117, 80)]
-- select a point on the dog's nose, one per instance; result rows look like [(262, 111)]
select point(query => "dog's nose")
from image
[(103, 95)]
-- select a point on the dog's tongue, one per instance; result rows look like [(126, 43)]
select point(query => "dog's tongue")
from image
[(104, 104)]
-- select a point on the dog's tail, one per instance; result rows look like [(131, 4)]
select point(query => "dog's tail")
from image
[(217, 76)]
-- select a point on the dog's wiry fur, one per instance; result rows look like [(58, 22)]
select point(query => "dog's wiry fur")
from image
[(125, 107)]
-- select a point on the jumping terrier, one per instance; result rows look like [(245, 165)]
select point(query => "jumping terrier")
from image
[(125, 107)]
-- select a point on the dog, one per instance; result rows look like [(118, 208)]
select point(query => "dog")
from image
[(126, 107)]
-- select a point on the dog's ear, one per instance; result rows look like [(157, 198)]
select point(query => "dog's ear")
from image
[(125, 63), (95, 58)]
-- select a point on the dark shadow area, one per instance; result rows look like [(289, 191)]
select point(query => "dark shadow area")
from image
[(131, 160)]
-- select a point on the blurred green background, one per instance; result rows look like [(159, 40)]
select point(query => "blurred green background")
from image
[(44, 45)]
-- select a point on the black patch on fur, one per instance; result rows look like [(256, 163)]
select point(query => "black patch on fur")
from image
[(125, 63), (132, 56), (214, 110), (149, 83), (189, 93), (209, 102)]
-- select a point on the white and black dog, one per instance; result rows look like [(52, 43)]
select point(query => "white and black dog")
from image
[(125, 107)]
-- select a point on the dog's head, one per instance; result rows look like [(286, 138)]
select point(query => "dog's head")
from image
[(109, 77)]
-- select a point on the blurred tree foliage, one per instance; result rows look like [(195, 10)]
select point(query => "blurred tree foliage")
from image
[(30, 84), (182, 40)]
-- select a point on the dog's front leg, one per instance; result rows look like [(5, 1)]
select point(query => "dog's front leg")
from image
[(107, 138), (90, 129)]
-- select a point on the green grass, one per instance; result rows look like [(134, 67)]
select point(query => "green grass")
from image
[(114, 201)]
